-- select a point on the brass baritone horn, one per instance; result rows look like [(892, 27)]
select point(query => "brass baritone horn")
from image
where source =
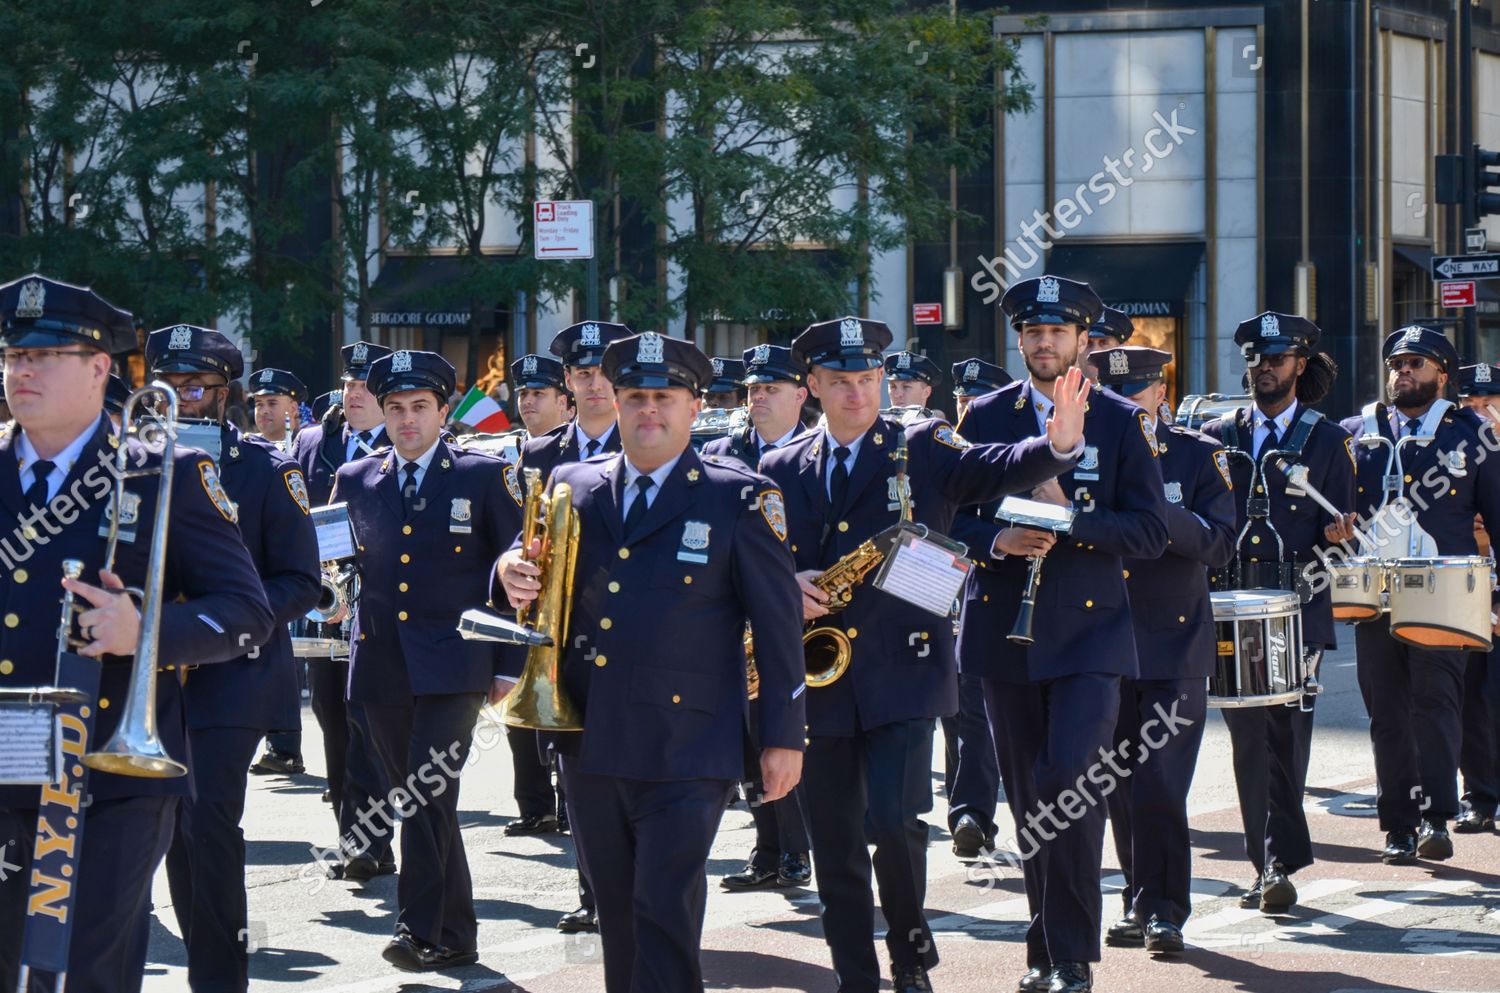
[(135, 749), (538, 700)]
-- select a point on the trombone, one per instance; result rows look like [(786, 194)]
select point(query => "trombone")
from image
[(135, 749)]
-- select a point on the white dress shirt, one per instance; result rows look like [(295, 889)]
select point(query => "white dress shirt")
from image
[(62, 462), (658, 478)]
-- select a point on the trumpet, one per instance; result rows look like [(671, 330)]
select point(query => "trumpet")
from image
[(340, 590), (135, 749), (538, 700)]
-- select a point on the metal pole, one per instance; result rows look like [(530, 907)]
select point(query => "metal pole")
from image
[(591, 297), (1468, 341)]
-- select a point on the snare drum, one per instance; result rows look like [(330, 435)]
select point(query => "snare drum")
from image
[(1442, 602), (1357, 588), (1260, 661)]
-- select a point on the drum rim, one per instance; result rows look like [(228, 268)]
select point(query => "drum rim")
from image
[(1442, 562), (1279, 602)]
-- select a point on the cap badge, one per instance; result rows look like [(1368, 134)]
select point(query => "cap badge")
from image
[(1413, 335), (851, 335), (903, 360), (266, 376), (1047, 290), (1482, 373), (181, 337), (528, 365), (1119, 364), (401, 361), (589, 335), (762, 355), (1270, 326), (651, 349), (33, 295), (971, 372), (361, 353), (718, 367)]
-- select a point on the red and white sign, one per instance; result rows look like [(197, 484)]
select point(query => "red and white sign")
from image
[(927, 313), (1456, 292), (563, 229)]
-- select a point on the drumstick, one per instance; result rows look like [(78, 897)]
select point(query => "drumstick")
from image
[(1296, 475)]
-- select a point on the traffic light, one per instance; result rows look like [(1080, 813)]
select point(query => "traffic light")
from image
[(1486, 183)]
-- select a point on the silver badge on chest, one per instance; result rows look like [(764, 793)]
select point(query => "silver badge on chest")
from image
[(460, 516), (1174, 492), (694, 546)]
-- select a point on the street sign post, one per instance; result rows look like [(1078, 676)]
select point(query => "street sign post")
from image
[(1476, 240), (1485, 265), (1457, 293)]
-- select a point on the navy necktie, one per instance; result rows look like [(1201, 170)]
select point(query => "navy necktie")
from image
[(637, 506), (1413, 426), (409, 488), (36, 493), (839, 489)]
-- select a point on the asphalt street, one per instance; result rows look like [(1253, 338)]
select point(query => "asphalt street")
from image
[(1359, 926)]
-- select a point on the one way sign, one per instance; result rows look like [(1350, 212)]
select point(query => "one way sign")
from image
[(1486, 266)]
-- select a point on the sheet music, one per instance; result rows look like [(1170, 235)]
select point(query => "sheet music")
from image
[(30, 754), (335, 533), (924, 574)]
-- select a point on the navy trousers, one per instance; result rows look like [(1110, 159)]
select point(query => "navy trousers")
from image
[(877, 781), (1050, 740), (1479, 757), (644, 845), (971, 776), (1271, 747)]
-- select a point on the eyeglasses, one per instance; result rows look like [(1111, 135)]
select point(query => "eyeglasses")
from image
[(1416, 363), (41, 358), (194, 393)]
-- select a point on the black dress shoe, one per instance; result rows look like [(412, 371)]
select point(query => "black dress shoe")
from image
[(968, 838), (1251, 898), (1163, 937), (278, 763), (1036, 980), (795, 869), (1434, 842), (1400, 847), (328, 796), (563, 827), (1125, 933), (753, 878), (363, 867), (910, 979), (1277, 894), (534, 824), (412, 954), (1071, 977), (1472, 821), (584, 920)]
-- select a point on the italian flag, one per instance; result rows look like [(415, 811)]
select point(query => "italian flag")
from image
[(481, 413)]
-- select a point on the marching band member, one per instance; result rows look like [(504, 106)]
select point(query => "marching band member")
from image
[(1053, 704), (349, 429), (429, 520), (1173, 620), (231, 706), (870, 749), (1271, 744), (591, 432), (58, 340), (1111, 329), (541, 393), (911, 378), (1413, 694), (1479, 758), (693, 548), (726, 390), (777, 386), (974, 378)]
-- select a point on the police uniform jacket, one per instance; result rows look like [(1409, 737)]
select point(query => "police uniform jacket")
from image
[(260, 689), (1082, 620), (1329, 457), (903, 665), (547, 451), (741, 444), (655, 651), (213, 603), (1449, 480), (320, 453), (418, 574), (1169, 595)]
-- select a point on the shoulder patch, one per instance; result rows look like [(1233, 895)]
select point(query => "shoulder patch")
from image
[(1144, 420), (209, 477), (297, 487), (1221, 462), (1349, 450), (513, 483), (945, 435), (773, 509)]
